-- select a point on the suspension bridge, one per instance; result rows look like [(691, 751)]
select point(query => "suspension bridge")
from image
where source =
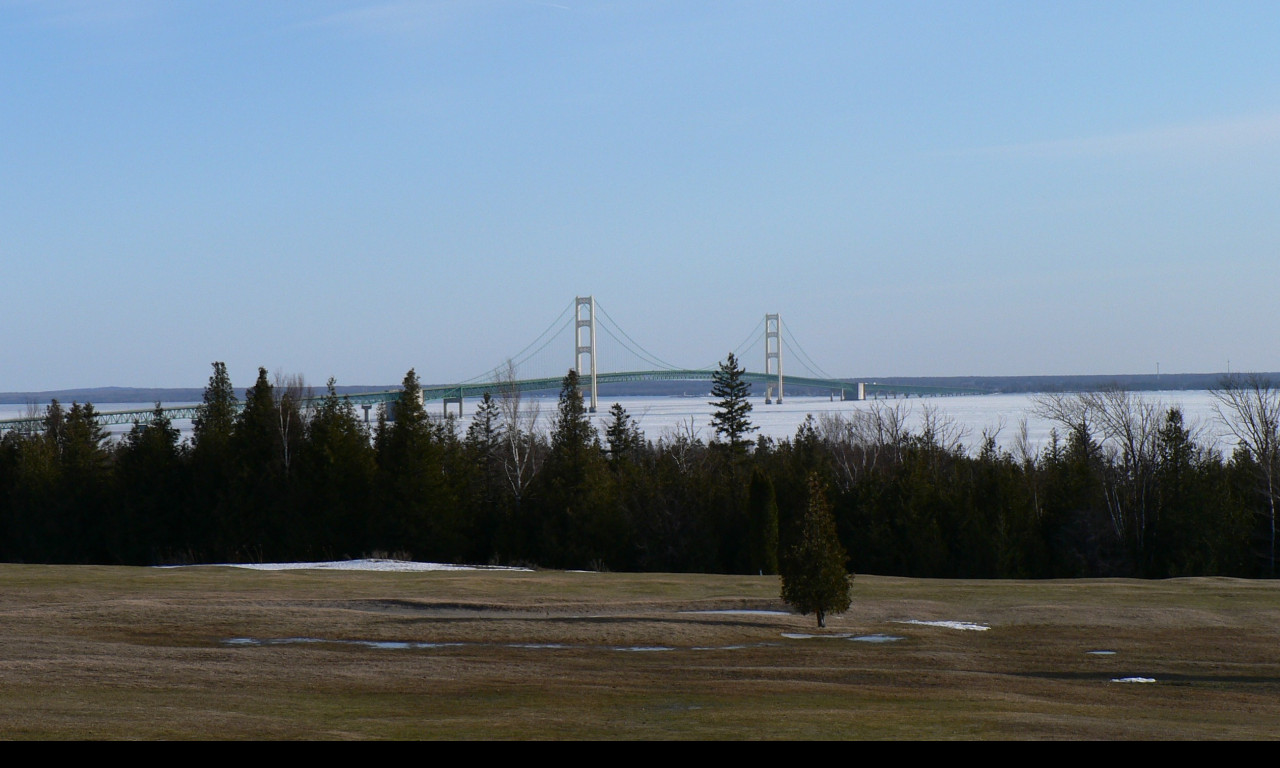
[(625, 361)]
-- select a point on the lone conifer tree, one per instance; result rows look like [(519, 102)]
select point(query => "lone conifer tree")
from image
[(621, 433), (732, 417), (216, 416), (814, 579)]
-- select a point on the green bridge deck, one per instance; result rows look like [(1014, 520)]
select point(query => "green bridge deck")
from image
[(455, 392)]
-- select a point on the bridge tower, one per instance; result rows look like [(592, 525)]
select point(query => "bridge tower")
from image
[(773, 353), (584, 320)]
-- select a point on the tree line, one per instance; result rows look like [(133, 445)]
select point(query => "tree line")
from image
[(1123, 487)]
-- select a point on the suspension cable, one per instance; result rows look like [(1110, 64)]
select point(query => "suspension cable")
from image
[(643, 353), (751, 338), (798, 360), (517, 359), (816, 368), (640, 354)]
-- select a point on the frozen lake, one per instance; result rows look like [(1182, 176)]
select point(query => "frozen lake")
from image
[(659, 416), (971, 413)]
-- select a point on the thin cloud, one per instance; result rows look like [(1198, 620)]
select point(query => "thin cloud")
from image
[(392, 17), (408, 17), (1211, 137)]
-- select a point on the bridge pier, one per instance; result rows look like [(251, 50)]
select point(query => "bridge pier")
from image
[(449, 401)]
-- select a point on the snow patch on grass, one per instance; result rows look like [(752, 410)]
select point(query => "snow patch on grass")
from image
[(1133, 679), (963, 625), (368, 564)]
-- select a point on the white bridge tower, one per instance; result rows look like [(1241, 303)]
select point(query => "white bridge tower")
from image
[(584, 321), (772, 354)]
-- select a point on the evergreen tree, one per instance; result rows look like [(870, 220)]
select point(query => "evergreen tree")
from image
[(483, 479), (731, 420), (86, 474), (577, 526), (483, 445), (622, 434), (762, 522), (209, 503), (814, 579), (215, 417), (337, 475), (411, 461), (151, 481), (255, 525)]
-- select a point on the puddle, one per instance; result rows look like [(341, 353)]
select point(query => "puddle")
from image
[(965, 625), (387, 644), (802, 636), (274, 641), (391, 645), (1133, 679), (741, 612), (877, 638), (1100, 653), (394, 645)]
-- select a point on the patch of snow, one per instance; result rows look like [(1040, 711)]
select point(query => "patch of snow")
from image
[(644, 648), (369, 564), (965, 625), (1133, 679), (877, 638), (1101, 653)]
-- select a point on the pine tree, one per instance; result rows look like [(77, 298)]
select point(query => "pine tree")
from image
[(152, 479), (814, 579), (762, 524), (338, 476), (577, 524), (621, 433), (413, 484), (211, 428), (571, 433), (732, 417)]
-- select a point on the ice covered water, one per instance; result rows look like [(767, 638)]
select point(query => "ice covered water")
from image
[(668, 417)]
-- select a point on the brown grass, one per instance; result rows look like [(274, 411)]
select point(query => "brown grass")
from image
[(136, 653)]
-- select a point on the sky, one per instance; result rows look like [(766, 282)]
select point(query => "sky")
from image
[(354, 189)]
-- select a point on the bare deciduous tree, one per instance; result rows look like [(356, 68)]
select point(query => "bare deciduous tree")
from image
[(294, 406), (521, 456), (681, 442), (1250, 409), (1126, 428)]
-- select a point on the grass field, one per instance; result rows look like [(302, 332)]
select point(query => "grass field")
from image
[(224, 653)]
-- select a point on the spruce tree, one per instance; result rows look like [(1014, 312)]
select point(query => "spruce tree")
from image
[(814, 579), (621, 433), (578, 524), (338, 476), (211, 427), (731, 419), (762, 524), (413, 483)]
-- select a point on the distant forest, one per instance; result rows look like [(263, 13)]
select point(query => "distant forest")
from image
[(1121, 489)]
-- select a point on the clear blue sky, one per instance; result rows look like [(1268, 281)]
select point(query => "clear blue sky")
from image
[(352, 189)]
